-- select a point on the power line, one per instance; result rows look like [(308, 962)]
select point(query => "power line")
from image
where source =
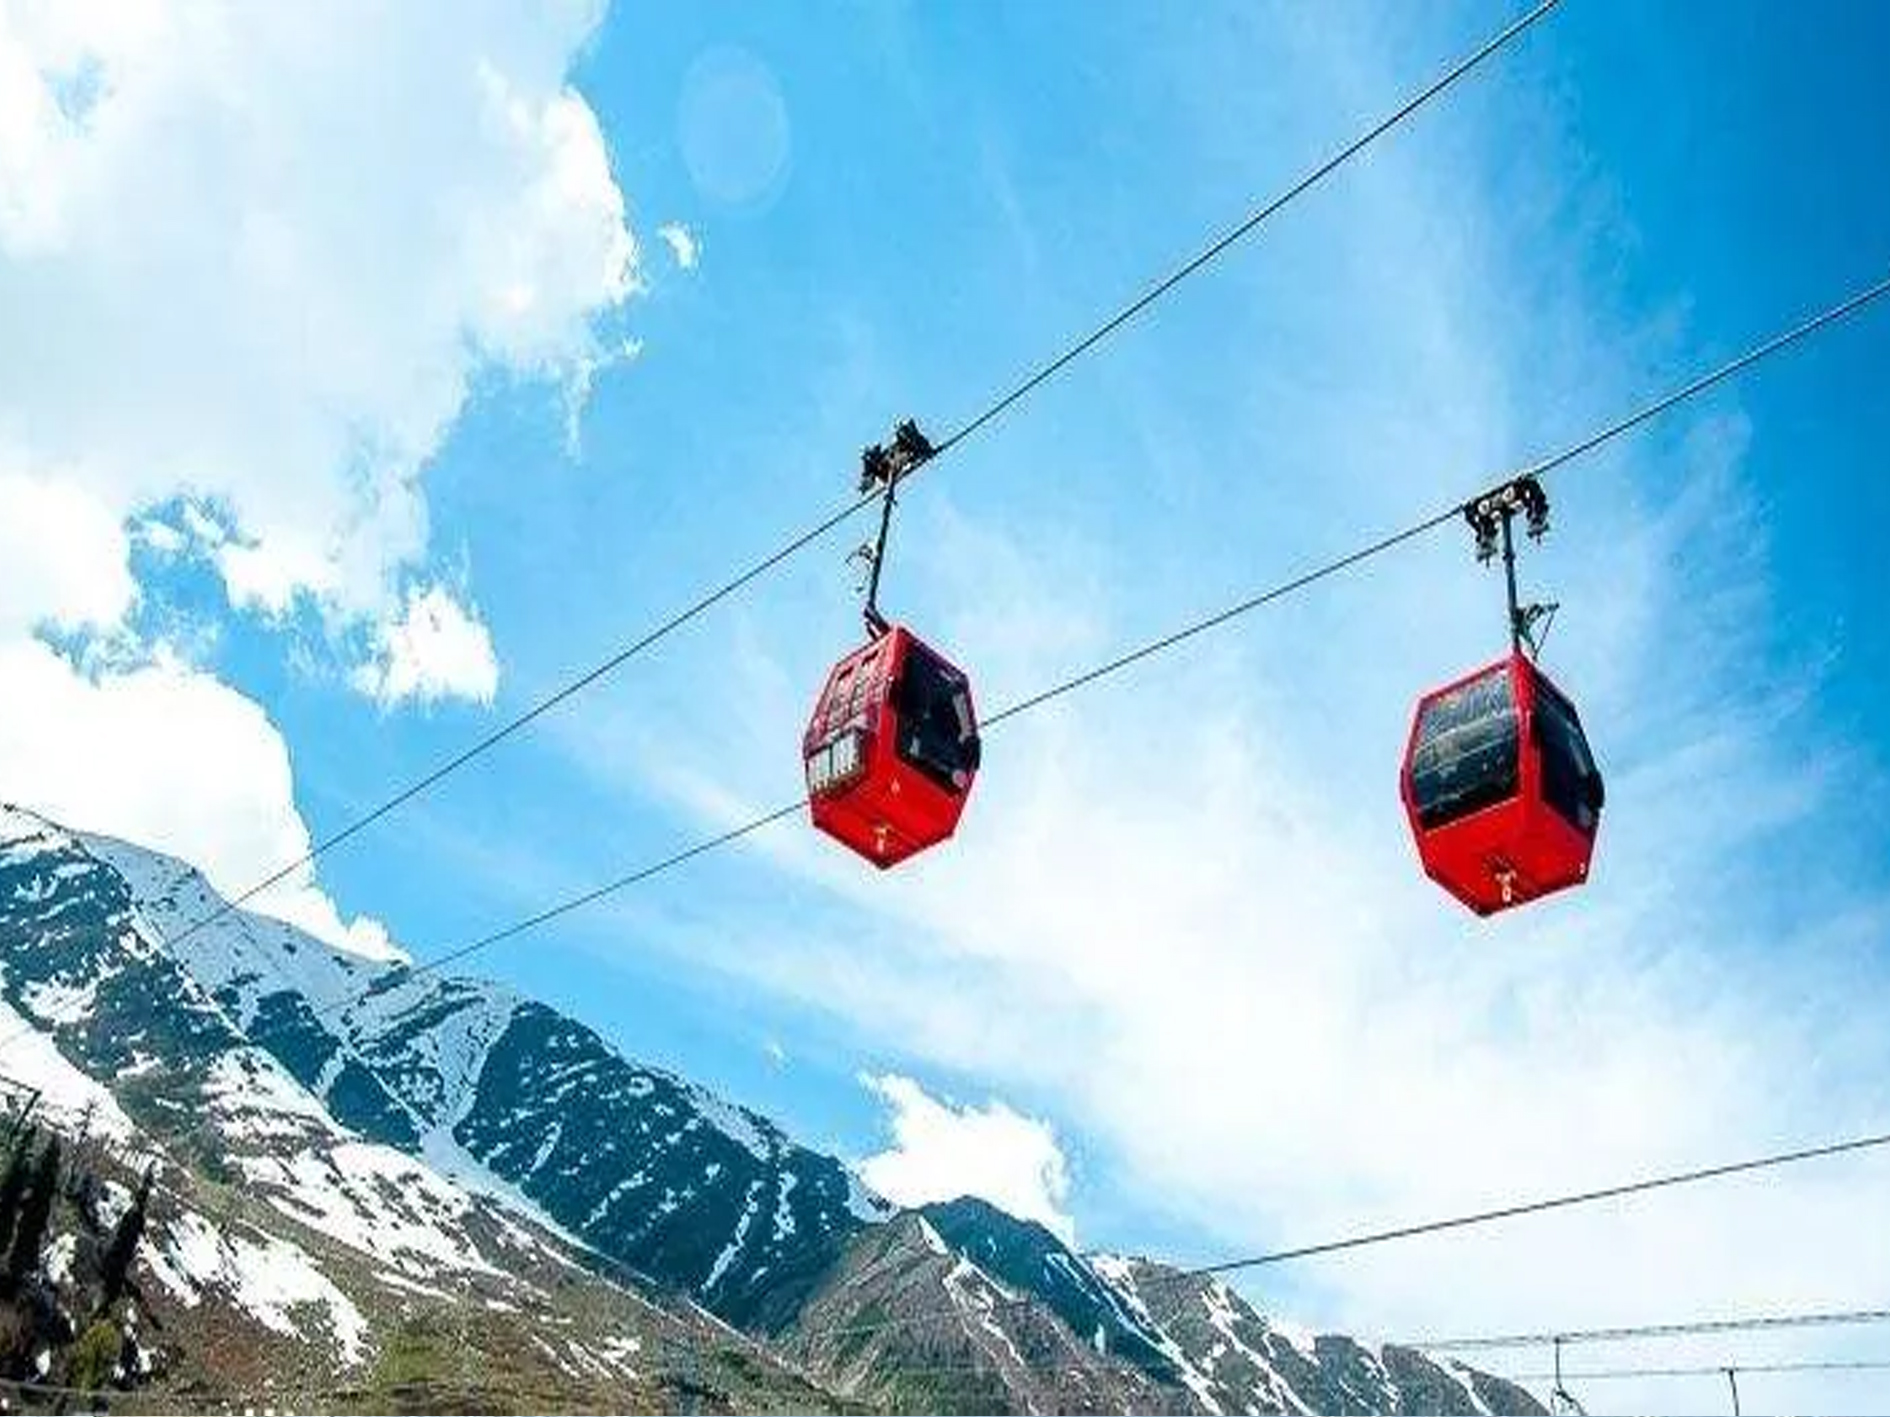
[(576, 902), (1005, 401), (1829, 1365), (1536, 1207), (1371, 1238), (536, 711), (1750, 1324), (1602, 436), (1216, 248)]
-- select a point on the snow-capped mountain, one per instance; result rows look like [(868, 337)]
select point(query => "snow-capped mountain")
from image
[(372, 1170), (960, 1307), (512, 1097)]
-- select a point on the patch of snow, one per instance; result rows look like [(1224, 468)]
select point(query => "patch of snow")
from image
[(56, 1258), (612, 1196), (934, 1241), (1300, 1337), (736, 1123), (463, 1022), (1222, 1306), (783, 1216), (410, 1286), (64, 1091), (545, 1148), (60, 1001), (330, 1073), (617, 1351), (171, 894), (1461, 1374), (736, 1241), (253, 1098), (863, 1203), (374, 1199), (1118, 1275), (268, 1279), (110, 1201)]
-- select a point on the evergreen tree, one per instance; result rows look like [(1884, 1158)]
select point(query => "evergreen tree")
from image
[(13, 1183), (116, 1262), (35, 1211)]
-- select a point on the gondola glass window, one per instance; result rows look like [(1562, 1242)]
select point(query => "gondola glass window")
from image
[(936, 732), (1466, 756), (1571, 783)]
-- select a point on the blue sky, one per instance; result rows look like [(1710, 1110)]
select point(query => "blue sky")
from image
[(1181, 928)]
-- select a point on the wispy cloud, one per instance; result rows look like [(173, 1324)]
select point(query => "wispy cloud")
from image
[(682, 243)]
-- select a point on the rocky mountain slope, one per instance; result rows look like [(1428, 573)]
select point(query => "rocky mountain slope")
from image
[(488, 1086), (385, 1181), (959, 1307)]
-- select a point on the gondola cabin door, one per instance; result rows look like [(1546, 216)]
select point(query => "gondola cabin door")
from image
[(892, 749)]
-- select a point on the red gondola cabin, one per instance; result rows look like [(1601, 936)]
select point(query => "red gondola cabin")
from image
[(1503, 795), (892, 749)]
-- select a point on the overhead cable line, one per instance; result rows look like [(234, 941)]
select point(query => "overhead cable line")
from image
[(1536, 1207), (1718, 1370), (993, 411), (1702, 383), (1372, 1238), (1594, 441), (1208, 254), (1829, 1318)]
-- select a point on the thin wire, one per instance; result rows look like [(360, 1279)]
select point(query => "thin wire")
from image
[(1829, 1365), (1757, 1323), (991, 413), (536, 711), (565, 907), (1787, 338), (1312, 179), (1535, 1207), (1608, 434), (1476, 1218), (1233, 612)]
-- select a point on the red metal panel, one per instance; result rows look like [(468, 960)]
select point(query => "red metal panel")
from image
[(886, 810), (1512, 852)]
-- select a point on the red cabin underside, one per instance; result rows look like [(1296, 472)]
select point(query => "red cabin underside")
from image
[(1505, 856), (1516, 849), (868, 796)]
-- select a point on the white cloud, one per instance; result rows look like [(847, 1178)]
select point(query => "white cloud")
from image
[(338, 217), (168, 757), (682, 244), (63, 557), (941, 1152), (342, 214), (435, 649)]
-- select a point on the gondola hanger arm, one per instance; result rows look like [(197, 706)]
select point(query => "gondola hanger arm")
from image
[(882, 465)]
